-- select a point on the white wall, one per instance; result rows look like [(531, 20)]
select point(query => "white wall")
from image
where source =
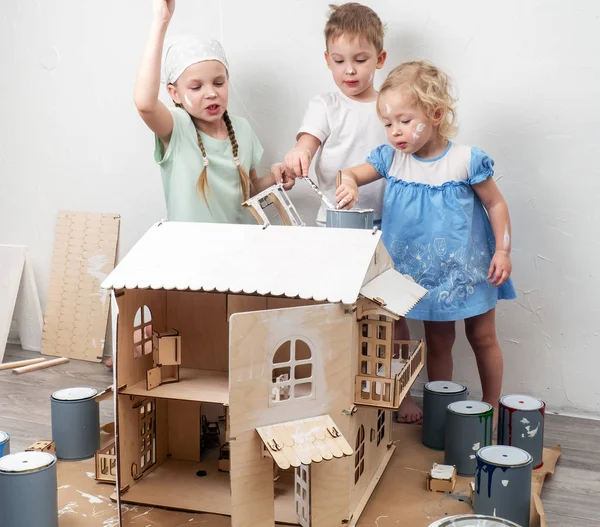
[(528, 77)]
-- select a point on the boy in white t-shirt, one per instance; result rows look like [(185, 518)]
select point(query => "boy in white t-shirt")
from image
[(341, 128)]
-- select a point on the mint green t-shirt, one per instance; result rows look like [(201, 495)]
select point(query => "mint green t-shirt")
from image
[(182, 164)]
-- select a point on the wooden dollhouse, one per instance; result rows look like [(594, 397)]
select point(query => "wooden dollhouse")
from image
[(282, 337)]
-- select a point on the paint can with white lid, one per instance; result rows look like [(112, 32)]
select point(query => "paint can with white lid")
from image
[(28, 490), (503, 483), (472, 520), (437, 395), (75, 423), (350, 218), (468, 428), (521, 424), (4, 443)]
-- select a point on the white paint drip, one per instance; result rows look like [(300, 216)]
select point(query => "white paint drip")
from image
[(525, 421), (505, 482), (90, 475), (506, 238), (64, 487), (187, 100), (494, 515), (532, 433), (378, 518), (94, 268), (476, 446), (92, 499), (471, 456)]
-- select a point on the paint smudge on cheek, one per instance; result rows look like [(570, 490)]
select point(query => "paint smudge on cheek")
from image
[(419, 129), (187, 100)]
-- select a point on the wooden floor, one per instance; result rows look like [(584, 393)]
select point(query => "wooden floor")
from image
[(571, 497)]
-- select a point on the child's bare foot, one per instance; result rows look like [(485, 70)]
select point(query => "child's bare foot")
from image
[(409, 412), (109, 362)]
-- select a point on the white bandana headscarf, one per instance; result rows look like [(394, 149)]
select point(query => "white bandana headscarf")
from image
[(182, 51)]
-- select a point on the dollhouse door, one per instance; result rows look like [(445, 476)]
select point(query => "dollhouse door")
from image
[(302, 494)]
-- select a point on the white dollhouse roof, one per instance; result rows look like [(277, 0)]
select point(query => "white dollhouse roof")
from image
[(297, 262), (304, 441)]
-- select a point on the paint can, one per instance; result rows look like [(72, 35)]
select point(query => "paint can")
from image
[(473, 520), (4, 443), (75, 423), (350, 218), (503, 483), (521, 424), (468, 428), (28, 490), (437, 395)]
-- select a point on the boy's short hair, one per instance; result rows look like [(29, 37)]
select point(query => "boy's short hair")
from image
[(355, 20)]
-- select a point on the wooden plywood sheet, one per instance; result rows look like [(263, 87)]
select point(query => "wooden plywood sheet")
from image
[(76, 317)]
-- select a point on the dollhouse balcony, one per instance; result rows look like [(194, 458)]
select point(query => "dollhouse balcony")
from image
[(385, 383)]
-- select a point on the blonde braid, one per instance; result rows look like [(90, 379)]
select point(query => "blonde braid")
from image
[(202, 183), (244, 179)]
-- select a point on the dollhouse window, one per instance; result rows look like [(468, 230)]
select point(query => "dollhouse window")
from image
[(380, 426), (359, 454), (292, 372), (142, 332)]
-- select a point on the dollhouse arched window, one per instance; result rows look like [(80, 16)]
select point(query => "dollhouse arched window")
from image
[(292, 372), (359, 454), (142, 332)]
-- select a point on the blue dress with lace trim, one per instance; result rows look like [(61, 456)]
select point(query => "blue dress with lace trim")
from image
[(440, 234)]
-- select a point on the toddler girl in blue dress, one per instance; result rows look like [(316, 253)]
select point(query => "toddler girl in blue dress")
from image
[(445, 222)]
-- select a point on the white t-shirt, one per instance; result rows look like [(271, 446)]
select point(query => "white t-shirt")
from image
[(348, 131)]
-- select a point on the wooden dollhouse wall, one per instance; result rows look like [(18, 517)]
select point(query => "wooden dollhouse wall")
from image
[(255, 339), (132, 303)]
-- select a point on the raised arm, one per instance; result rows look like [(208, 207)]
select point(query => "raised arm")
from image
[(348, 181), (497, 209), (154, 113)]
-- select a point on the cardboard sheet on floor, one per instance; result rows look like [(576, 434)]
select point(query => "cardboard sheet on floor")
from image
[(85, 247), (400, 498)]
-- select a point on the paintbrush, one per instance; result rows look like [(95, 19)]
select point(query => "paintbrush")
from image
[(319, 193)]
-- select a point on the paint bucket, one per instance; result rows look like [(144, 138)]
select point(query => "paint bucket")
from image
[(503, 483), (521, 424), (468, 428), (28, 490), (4, 443), (473, 520), (350, 219), (75, 423), (437, 395)]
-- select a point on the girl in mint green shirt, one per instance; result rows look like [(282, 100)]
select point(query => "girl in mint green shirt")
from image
[(208, 159)]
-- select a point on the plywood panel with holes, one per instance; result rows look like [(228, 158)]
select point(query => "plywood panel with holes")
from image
[(184, 430), (201, 319), (75, 322)]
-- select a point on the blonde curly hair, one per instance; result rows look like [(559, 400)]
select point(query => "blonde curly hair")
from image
[(431, 89)]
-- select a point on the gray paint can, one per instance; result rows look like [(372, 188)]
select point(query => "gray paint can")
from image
[(4, 443), (350, 218), (468, 428), (521, 424), (437, 395), (75, 423), (503, 483), (472, 520), (28, 490)]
